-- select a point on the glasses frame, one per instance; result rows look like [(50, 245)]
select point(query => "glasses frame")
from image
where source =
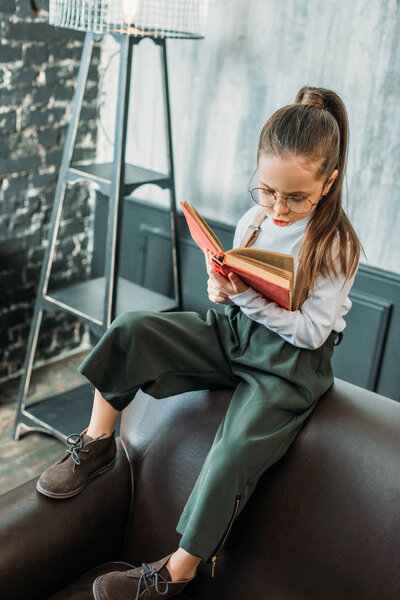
[(276, 196)]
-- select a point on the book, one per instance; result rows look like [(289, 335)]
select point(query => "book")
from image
[(269, 273)]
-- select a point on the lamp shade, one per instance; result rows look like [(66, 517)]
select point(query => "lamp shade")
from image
[(156, 18)]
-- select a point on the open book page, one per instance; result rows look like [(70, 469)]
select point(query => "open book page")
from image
[(274, 259), (265, 266)]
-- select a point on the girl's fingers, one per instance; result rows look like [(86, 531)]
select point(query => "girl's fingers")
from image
[(211, 270), (216, 291), (206, 258), (214, 271), (209, 264), (217, 298)]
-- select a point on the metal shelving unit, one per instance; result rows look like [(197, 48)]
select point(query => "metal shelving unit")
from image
[(98, 301)]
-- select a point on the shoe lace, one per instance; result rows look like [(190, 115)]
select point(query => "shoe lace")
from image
[(149, 575), (75, 441)]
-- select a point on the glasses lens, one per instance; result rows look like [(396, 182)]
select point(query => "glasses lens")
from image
[(298, 204), (263, 197)]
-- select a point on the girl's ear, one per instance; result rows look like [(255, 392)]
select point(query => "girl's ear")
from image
[(330, 181)]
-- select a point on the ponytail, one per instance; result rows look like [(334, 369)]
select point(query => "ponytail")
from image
[(315, 129)]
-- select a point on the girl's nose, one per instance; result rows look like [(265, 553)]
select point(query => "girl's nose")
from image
[(280, 206)]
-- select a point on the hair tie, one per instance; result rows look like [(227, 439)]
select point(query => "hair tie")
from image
[(313, 99)]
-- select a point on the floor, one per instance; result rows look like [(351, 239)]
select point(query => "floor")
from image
[(29, 456)]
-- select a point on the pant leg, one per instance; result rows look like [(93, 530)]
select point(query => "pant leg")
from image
[(163, 353), (256, 431), (279, 388)]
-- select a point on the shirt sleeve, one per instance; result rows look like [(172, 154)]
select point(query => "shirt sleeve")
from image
[(311, 325)]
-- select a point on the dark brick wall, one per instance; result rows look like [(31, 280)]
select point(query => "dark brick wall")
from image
[(38, 70)]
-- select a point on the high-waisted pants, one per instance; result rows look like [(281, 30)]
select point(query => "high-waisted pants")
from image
[(277, 386)]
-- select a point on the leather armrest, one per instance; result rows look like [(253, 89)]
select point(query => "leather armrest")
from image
[(46, 544)]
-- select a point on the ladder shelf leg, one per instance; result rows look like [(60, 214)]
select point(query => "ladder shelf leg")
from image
[(55, 224), (117, 179), (173, 214)]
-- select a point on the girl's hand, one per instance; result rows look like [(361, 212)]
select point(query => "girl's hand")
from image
[(219, 287)]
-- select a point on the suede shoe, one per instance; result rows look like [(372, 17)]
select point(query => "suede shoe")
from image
[(150, 581), (86, 459)]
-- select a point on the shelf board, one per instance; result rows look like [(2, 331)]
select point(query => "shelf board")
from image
[(62, 414), (86, 299), (101, 174)]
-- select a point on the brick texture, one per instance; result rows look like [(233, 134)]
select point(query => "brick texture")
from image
[(38, 70)]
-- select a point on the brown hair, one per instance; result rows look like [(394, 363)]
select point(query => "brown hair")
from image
[(315, 128)]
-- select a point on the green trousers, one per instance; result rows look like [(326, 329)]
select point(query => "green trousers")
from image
[(277, 386)]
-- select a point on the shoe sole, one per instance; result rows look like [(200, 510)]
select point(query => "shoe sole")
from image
[(61, 496), (94, 588)]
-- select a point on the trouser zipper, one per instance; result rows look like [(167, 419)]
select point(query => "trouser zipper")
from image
[(222, 542)]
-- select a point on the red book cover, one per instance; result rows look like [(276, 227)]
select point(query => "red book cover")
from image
[(201, 239), (206, 239)]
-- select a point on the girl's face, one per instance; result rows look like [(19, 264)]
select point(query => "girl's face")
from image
[(289, 176)]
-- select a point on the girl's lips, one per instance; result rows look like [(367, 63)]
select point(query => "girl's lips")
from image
[(280, 223)]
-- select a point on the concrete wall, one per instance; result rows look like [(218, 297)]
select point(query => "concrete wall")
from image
[(254, 58)]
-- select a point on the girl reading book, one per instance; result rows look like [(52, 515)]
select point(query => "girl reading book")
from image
[(278, 361)]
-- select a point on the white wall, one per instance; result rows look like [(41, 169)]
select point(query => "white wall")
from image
[(254, 58)]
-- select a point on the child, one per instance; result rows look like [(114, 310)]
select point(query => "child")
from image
[(277, 360)]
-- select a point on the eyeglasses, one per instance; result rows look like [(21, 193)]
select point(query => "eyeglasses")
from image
[(295, 203)]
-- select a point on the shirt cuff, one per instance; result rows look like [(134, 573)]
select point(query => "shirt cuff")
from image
[(245, 297)]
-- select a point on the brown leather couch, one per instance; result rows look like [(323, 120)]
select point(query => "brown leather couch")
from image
[(322, 524)]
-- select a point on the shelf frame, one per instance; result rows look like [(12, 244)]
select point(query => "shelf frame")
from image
[(116, 180)]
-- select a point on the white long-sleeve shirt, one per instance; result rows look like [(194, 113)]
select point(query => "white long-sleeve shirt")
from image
[(310, 326)]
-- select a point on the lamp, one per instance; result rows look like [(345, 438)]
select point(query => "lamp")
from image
[(158, 18), (99, 300)]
